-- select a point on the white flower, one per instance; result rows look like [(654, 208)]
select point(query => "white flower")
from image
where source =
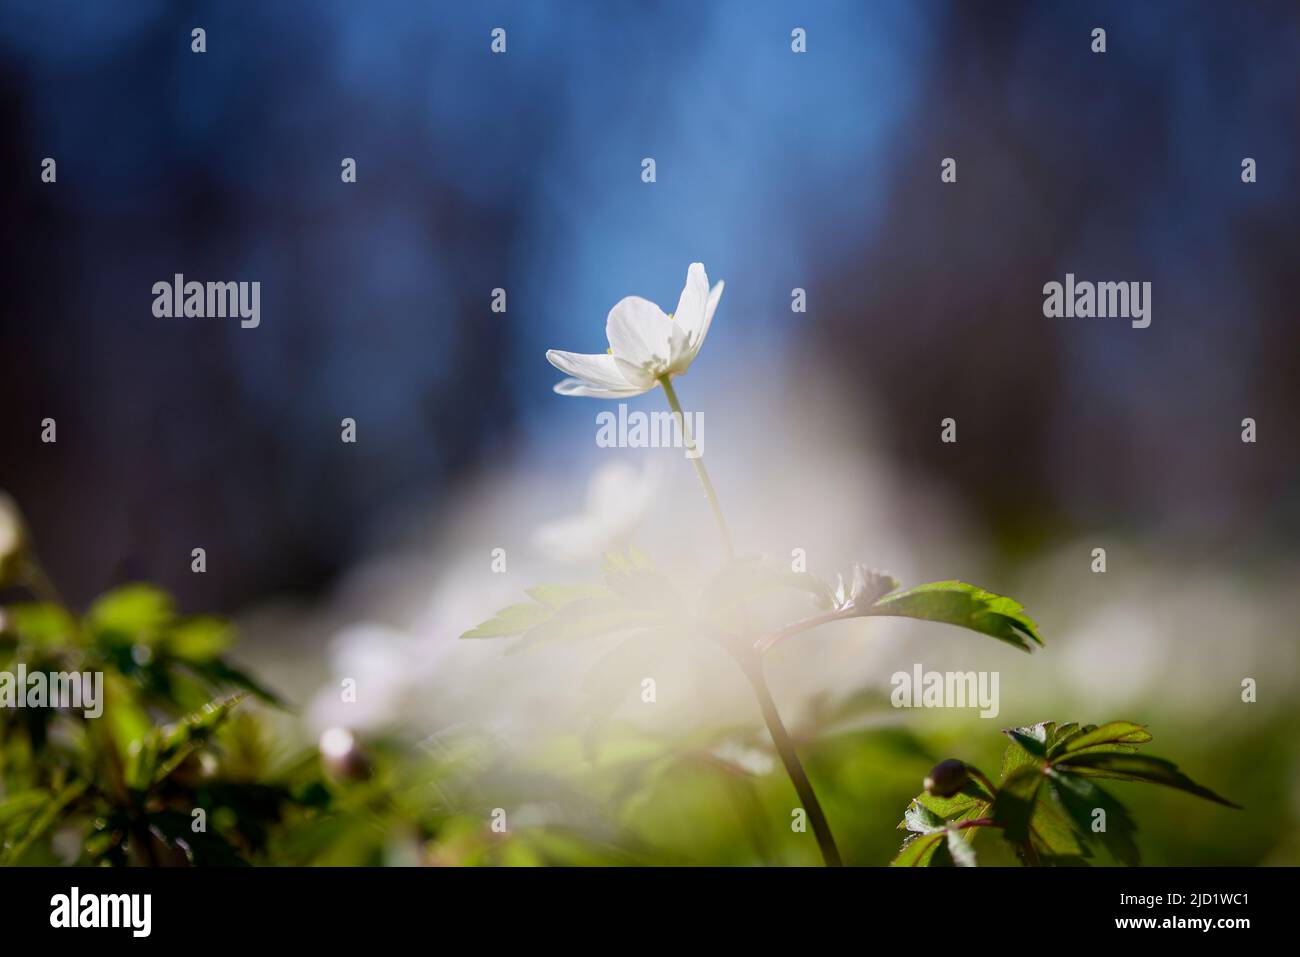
[(618, 498), (13, 541), (644, 343), (386, 666)]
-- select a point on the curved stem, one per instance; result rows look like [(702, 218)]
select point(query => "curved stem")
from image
[(793, 767), (795, 628), (752, 665), (980, 776)]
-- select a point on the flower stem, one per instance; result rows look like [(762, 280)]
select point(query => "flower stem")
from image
[(790, 758), (698, 460), (751, 664)]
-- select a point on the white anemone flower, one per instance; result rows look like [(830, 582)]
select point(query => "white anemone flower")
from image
[(618, 499), (644, 343)]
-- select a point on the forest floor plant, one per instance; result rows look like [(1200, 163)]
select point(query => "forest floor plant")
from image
[(647, 349)]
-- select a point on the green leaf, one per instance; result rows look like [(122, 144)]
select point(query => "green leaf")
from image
[(164, 749), (1053, 834), (512, 620), (588, 618), (137, 612), (1137, 767), (1081, 799), (557, 596), (957, 603), (1033, 739), (1123, 734), (223, 674), (921, 819), (1014, 806), (198, 639), (1016, 756), (41, 624), (971, 797), (918, 849), (49, 816)]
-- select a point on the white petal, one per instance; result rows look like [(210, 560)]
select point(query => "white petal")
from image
[(571, 539), (599, 370), (640, 335), (709, 308), (690, 307), (581, 387)]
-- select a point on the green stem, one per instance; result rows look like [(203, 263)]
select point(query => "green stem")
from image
[(698, 460), (752, 664), (793, 767)]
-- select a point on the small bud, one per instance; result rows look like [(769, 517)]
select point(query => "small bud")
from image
[(342, 756), (870, 585), (947, 778)]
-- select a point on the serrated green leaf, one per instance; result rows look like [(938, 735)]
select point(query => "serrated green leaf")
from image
[(918, 849), (1015, 757), (587, 618), (1112, 733), (964, 605), (1053, 833), (1033, 738), (971, 796), (1081, 799), (1014, 806), (921, 819), (1137, 767), (512, 620)]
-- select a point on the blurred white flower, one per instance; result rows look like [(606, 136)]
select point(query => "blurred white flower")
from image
[(384, 666), (13, 540), (644, 343), (618, 498)]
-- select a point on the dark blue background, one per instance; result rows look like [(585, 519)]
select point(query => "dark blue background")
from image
[(522, 171)]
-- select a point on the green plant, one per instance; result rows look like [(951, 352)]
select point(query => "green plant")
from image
[(647, 349), (1048, 806)]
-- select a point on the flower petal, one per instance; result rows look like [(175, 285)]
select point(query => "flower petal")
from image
[(709, 308), (690, 307), (640, 335), (591, 390), (594, 376), (596, 369)]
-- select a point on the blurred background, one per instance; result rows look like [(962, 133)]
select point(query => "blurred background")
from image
[(777, 170)]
